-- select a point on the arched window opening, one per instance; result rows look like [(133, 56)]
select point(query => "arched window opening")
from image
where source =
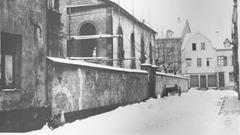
[(150, 53), (88, 47), (133, 64), (143, 55), (120, 48)]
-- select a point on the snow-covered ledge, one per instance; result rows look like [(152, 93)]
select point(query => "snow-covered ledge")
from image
[(93, 65), (169, 75)]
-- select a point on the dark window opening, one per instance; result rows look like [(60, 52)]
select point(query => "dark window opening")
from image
[(150, 53), (88, 47), (143, 57), (194, 46), (189, 62), (231, 78), (203, 46), (199, 62), (209, 61), (225, 61), (10, 61), (133, 64), (222, 61), (208, 64), (120, 48)]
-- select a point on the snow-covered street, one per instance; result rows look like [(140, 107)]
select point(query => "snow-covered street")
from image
[(194, 113)]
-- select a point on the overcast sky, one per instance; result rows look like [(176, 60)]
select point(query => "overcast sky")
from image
[(210, 17)]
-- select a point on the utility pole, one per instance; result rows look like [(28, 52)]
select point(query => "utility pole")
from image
[(235, 45)]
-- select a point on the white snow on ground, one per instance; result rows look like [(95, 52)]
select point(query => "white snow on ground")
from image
[(194, 113)]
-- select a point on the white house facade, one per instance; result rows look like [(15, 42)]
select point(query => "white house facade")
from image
[(225, 67), (199, 60), (204, 63)]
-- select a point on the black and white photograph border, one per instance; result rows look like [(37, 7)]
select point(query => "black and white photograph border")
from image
[(119, 67)]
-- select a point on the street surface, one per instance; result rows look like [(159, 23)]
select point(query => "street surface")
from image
[(209, 112)]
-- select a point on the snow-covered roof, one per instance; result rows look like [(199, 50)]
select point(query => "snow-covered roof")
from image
[(188, 36), (87, 64)]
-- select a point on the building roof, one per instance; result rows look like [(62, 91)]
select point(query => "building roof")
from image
[(179, 29), (109, 3), (161, 40), (186, 30), (224, 49), (188, 36), (122, 10)]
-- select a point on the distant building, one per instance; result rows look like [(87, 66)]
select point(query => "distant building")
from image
[(199, 60), (225, 65), (206, 65), (105, 18), (168, 50)]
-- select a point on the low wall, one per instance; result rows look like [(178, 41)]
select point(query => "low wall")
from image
[(75, 86), (170, 80), (79, 88)]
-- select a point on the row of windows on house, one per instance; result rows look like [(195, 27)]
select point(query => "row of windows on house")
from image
[(221, 62), (203, 46)]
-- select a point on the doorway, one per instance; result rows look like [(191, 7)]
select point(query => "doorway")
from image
[(221, 79), (203, 81)]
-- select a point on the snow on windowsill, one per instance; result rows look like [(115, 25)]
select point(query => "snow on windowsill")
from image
[(10, 90), (87, 64)]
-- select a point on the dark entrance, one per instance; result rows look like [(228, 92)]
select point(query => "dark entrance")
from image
[(221, 79), (212, 80), (203, 83), (88, 46), (194, 81)]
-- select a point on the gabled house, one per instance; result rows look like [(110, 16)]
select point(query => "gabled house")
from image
[(206, 65), (199, 60)]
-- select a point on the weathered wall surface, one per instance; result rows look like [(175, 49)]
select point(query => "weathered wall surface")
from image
[(129, 26), (19, 17), (79, 17), (170, 81), (75, 87), (107, 20)]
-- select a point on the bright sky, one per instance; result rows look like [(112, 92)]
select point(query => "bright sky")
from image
[(210, 17)]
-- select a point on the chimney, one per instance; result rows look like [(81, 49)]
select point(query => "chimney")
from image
[(169, 34)]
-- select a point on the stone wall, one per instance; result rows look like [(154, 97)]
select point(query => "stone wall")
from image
[(77, 86), (170, 80)]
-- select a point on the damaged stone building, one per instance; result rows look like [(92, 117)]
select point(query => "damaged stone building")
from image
[(28, 29), (131, 46)]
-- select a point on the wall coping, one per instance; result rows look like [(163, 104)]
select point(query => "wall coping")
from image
[(93, 65), (169, 75)]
